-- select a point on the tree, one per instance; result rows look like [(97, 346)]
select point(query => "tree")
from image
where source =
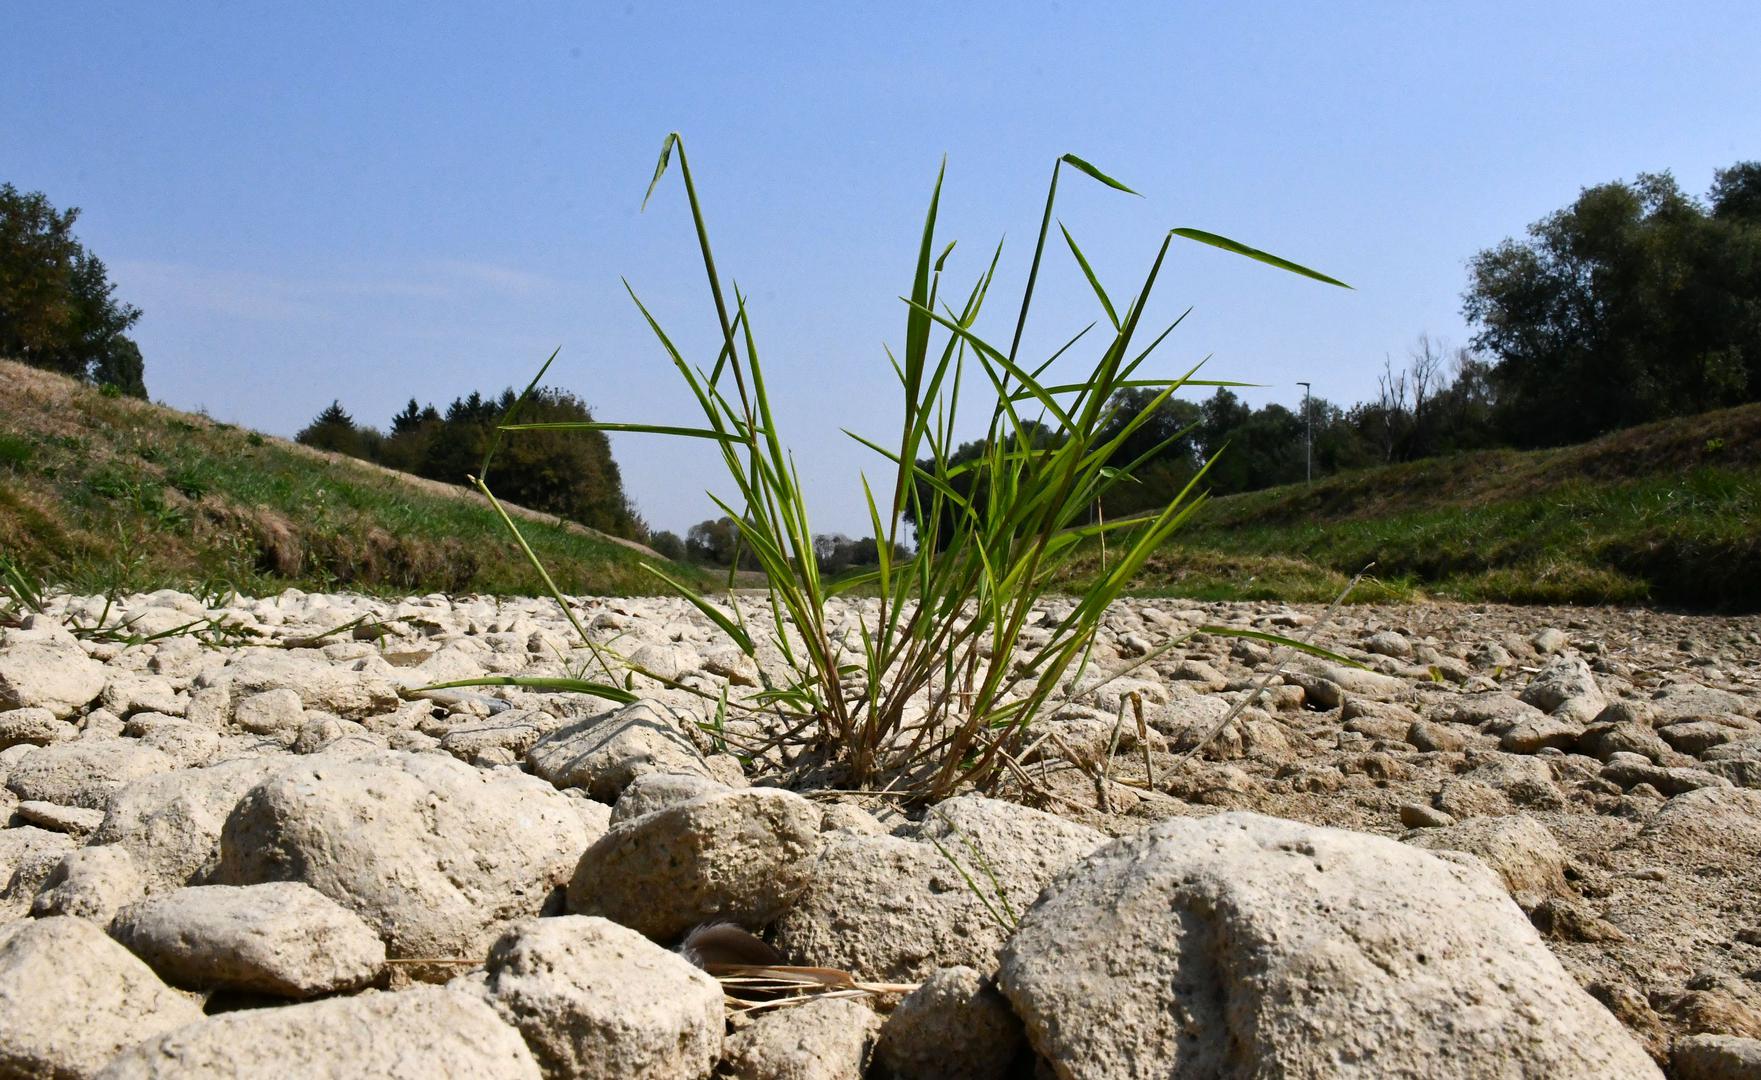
[(667, 545), (1632, 304), (57, 305), (332, 429)]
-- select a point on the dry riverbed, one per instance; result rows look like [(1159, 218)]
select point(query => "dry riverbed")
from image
[(1516, 841)]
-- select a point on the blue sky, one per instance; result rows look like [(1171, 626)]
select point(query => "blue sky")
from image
[(376, 201)]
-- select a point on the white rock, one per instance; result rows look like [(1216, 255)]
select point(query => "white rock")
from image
[(888, 908), (1716, 1057), (277, 713), (320, 685), (828, 1039), (281, 938), (33, 726), (433, 854), (27, 858), (71, 999), (419, 1034), (53, 675), (1240, 944), (742, 857), (657, 791), (604, 753), (1567, 690), (90, 882), (85, 772), (595, 1000), (955, 1026), (170, 823), (1519, 849)]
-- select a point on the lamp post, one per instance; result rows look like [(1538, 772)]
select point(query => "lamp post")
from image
[(1308, 440)]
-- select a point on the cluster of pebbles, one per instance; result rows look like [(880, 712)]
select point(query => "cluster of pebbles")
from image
[(1510, 842)]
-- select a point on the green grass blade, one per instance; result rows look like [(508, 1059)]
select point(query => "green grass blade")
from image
[(1084, 167), (1089, 273), (535, 682), (1256, 254)]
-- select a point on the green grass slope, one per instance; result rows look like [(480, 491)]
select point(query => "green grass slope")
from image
[(1668, 513), (100, 493)]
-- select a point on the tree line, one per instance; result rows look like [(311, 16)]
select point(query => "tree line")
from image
[(567, 473), (1636, 302)]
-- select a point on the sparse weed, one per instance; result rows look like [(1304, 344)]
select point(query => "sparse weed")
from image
[(938, 692)]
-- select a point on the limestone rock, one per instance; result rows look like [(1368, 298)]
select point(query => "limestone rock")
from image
[(1239, 944), (27, 858), (49, 674), (320, 684), (596, 1000), (742, 857), (1722, 826), (604, 753), (280, 938), (1566, 689), (33, 726), (1519, 849), (71, 999), (90, 882), (828, 1039), (955, 1026), (75, 821), (657, 791), (85, 772), (434, 855), (415, 1034), (170, 823), (889, 908), (1716, 1057)]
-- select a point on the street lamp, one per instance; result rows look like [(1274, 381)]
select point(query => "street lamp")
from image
[(1308, 440)]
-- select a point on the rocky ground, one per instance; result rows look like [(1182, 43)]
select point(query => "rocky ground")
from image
[(1516, 842)]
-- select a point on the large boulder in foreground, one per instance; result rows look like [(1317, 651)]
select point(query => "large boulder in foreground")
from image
[(416, 1034), (1241, 945), (70, 999), (435, 855)]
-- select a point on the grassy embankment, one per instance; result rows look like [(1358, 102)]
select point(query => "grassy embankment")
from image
[(105, 493), (1668, 513)]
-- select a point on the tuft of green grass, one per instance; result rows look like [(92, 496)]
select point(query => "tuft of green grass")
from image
[(937, 693)]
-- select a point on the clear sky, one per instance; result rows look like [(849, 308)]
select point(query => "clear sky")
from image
[(378, 201)]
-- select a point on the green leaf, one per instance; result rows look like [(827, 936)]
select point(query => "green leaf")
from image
[(1279, 639), (714, 614), (534, 682), (512, 413), (648, 429), (1088, 272), (666, 155), (1083, 166), (1256, 254)]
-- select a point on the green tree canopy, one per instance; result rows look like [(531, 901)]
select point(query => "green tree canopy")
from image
[(1632, 304), (57, 305)]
